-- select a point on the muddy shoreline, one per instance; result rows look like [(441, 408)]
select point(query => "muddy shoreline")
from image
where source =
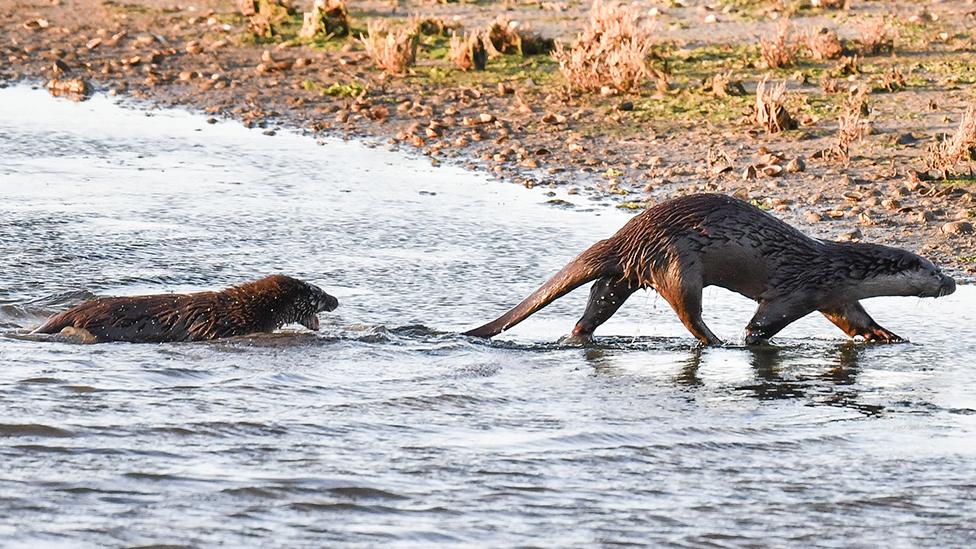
[(518, 121)]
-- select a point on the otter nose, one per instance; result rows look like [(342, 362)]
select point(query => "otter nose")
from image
[(328, 303), (947, 286)]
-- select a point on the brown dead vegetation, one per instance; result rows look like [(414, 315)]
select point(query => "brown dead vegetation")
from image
[(392, 50), (770, 110), (328, 18), (950, 151), (510, 37), (611, 52), (831, 4), (877, 36), (852, 126), (263, 15), (781, 50), (824, 44), (468, 51)]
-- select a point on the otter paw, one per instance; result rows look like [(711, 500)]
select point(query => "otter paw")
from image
[(756, 339), (575, 339), (881, 335)]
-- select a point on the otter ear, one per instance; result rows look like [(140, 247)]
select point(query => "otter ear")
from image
[(909, 263)]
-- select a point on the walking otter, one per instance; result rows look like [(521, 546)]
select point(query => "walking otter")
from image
[(260, 306), (680, 246)]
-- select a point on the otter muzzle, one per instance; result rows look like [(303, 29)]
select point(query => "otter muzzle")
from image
[(947, 286)]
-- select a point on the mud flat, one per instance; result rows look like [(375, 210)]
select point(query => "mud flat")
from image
[(693, 129)]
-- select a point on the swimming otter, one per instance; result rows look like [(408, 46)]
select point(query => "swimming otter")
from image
[(260, 306), (680, 246)]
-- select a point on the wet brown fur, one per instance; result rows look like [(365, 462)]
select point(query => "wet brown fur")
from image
[(260, 306), (683, 245)]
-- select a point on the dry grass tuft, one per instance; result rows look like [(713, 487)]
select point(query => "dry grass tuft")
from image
[(846, 66), (877, 36), (328, 18), (510, 37), (392, 50), (781, 50), (945, 155), (435, 26), (851, 126), (831, 4), (468, 51), (829, 84), (891, 80), (824, 44), (263, 15), (770, 112), (722, 85), (611, 52)]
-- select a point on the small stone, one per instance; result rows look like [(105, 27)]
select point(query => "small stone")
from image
[(923, 216), (906, 139), (626, 106), (741, 193), (37, 24), (186, 75), (796, 165), (486, 118), (851, 236), (957, 227), (193, 47), (813, 217), (891, 204), (211, 120), (144, 39), (551, 118)]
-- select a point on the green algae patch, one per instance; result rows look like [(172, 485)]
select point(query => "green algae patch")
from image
[(353, 89)]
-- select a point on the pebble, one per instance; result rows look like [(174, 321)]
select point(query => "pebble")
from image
[(957, 227), (923, 216)]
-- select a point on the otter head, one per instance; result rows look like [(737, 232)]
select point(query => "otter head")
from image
[(290, 300), (312, 301), (890, 271)]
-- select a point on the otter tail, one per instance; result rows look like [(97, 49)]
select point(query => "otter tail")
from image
[(578, 272)]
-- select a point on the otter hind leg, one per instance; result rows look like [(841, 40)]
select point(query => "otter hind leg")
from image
[(606, 296), (771, 317), (855, 321), (685, 297)]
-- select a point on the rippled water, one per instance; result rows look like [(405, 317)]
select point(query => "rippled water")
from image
[(386, 426)]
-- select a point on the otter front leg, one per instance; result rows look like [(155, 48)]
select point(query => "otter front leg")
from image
[(685, 299), (855, 321), (606, 296), (771, 317)]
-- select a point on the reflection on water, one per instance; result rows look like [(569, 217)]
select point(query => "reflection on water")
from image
[(388, 427)]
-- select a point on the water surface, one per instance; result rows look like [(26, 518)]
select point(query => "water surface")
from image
[(388, 427)]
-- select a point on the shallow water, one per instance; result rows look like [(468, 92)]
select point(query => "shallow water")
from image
[(386, 426)]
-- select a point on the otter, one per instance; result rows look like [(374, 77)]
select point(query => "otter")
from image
[(260, 306), (682, 245)]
